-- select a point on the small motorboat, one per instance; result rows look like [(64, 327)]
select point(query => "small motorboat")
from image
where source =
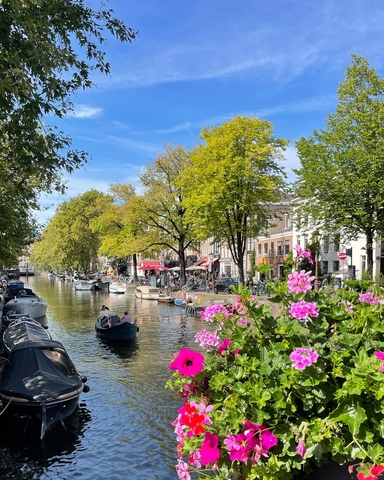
[(40, 385), (162, 298), (13, 288), (24, 329), (83, 285), (100, 285), (27, 303), (145, 292), (116, 332), (179, 302), (117, 287), (10, 316)]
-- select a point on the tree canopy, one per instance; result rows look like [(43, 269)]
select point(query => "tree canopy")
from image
[(231, 182), (48, 50), (341, 181)]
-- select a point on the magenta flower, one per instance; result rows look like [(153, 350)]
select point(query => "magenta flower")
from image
[(299, 282), (368, 298), (223, 346), (210, 451), (188, 363), (207, 339), (303, 358), (380, 355), (301, 448), (210, 311), (303, 310), (301, 254)]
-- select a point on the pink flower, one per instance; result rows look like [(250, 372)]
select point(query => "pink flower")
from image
[(210, 452), (369, 298), (182, 470), (210, 311), (380, 355), (299, 282), (223, 346), (188, 362), (303, 358), (207, 339), (301, 448), (302, 310), (301, 254)]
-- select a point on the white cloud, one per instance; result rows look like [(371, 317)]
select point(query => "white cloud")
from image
[(85, 111)]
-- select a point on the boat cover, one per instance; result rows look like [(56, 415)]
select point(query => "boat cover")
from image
[(29, 373), (24, 331)]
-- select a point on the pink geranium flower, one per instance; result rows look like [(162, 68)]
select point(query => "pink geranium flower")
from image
[(188, 363), (225, 344), (299, 282), (210, 451), (303, 358), (303, 310), (380, 355), (301, 254)]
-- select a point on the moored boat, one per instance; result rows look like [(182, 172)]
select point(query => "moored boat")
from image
[(116, 332), (10, 317), (28, 303), (40, 385), (83, 285), (117, 287), (101, 285), (145, 292), (162, 298), (179, 302), (24, 329)]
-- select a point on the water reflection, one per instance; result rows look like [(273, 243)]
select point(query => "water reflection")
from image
[(121, 349)]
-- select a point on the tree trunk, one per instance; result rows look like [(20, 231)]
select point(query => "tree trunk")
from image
[(134, 259), (182, 263), (369, 247)]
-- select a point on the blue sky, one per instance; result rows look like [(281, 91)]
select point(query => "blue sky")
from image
[(199, 63)]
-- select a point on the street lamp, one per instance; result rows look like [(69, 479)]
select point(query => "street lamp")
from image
[(210, 267)]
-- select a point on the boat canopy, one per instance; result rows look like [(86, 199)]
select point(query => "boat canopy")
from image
[(30, 374)]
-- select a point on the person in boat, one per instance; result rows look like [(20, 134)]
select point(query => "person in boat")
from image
[(104, 312), (125, 319), (105, 322)]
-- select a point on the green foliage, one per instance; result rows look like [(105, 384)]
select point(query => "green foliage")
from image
[(263, 268), (232, 180), (334, 405), (348, 150)]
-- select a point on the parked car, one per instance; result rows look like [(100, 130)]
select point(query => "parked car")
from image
[(224, 285)]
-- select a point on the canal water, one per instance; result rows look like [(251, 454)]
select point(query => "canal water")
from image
[(122, 429)]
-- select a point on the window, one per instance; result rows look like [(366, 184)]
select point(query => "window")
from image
[(265, 249), (305, 242), (324, 267), (326, 245), (281, 271), (288, 220), (250, 241), (335, 265), (259, 250), (272, 250), (286, 247), (279, 249), (298, 240), (363, 263)]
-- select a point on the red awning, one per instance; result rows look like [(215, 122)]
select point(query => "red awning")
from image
[(151, 265), (199, 262)]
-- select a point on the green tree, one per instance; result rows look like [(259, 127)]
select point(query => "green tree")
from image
[(68, 242), (161, 207), (48, 51), (341, 181), (231, 182)]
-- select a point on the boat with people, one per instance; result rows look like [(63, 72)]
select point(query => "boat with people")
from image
[(28, 303), (39, 385), (115, 328), (24, 329), (146, 292)]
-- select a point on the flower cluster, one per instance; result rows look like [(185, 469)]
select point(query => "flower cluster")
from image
[(271, 396)]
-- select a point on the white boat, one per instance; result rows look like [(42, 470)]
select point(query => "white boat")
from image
[(145, 292), (83, 285), (27, 303), (117, 287)]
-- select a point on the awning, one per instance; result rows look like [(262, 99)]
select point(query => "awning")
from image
[(199, 262), (151, 265), (206, 264)]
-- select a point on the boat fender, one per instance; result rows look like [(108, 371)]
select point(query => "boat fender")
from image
[(84, 379), (86, 388)]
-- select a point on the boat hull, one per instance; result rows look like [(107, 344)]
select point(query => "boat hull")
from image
[(83, 285), (102, 285), (125, 331), (147, 293), (36, 307), (117, 287)]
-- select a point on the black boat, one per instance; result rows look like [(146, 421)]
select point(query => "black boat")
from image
[(24, 329), (11, 316), (40, 385)]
